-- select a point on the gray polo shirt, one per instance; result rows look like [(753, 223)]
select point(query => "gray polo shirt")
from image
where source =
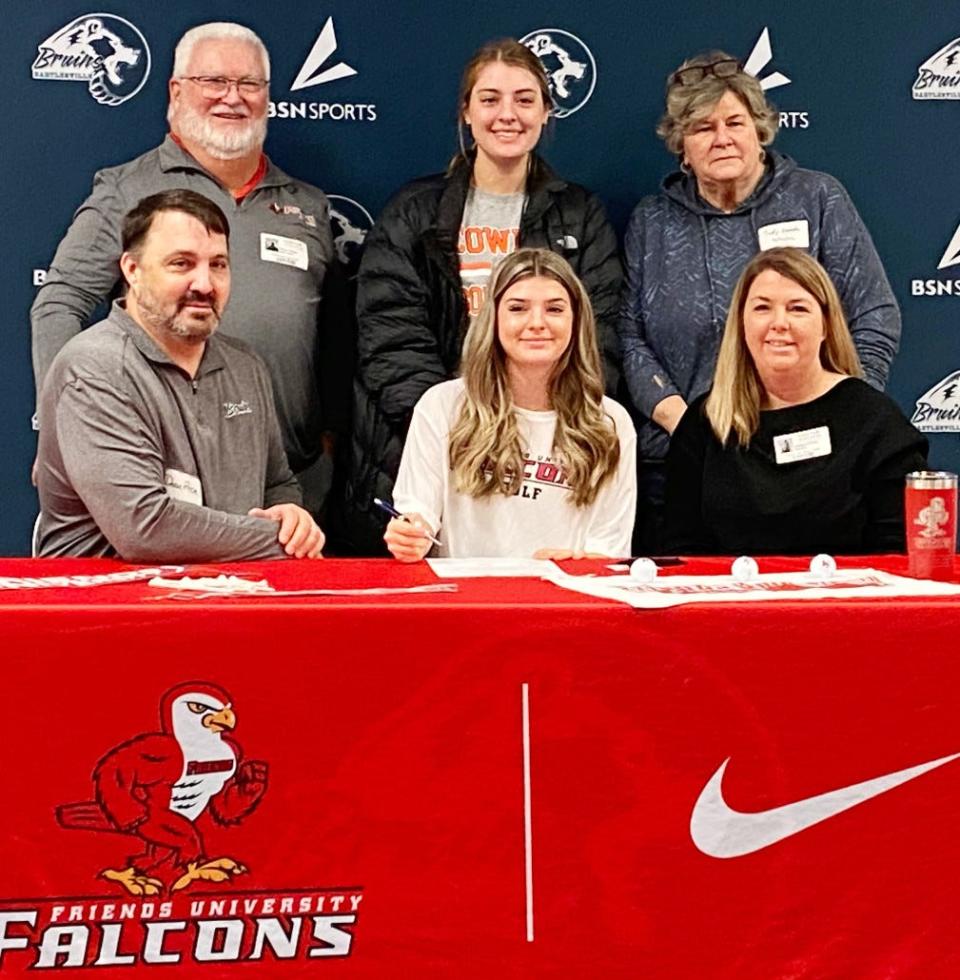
[(136, 459), (280, 248)]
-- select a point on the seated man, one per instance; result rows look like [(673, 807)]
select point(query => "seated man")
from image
[(159, 441)]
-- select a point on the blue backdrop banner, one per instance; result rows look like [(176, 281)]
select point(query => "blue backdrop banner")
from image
[(363, 98)]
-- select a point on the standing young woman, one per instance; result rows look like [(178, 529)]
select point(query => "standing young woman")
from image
[(428, 260), (523, 456)]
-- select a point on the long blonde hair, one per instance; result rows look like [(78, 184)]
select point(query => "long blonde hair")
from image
[(733, 405), (486, 453)]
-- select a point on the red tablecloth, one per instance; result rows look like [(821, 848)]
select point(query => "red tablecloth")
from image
[(387, 837)]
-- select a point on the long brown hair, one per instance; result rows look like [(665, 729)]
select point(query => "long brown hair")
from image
[(486, 453)]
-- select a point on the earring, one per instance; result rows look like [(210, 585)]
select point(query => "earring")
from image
[(685, 167)]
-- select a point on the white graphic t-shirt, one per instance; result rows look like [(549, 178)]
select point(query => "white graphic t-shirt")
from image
[(488, 231), (541, 515)]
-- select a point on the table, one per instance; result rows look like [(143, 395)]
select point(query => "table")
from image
[(398, 830)]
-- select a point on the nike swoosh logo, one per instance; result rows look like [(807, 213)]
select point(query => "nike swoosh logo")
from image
[(722, 832)]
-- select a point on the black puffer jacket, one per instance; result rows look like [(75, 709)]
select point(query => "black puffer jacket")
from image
[(412, 317)]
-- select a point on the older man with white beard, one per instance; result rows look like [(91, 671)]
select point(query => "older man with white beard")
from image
[(282, 248)]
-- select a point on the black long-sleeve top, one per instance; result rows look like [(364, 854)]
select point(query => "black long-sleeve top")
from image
[(734, 500)]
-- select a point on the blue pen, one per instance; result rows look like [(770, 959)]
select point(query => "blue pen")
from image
[(393, 512)]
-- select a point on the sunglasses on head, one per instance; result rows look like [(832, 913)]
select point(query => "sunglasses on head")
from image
[(725, 68)]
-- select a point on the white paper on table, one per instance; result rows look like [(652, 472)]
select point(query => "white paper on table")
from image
[(493, 568), (227, 584), (678, 590), (85, 581)]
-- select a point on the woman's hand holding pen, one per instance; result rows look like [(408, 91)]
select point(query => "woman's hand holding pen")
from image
[(408, 537)]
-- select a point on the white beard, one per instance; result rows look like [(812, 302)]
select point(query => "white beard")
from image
[(222, 143)]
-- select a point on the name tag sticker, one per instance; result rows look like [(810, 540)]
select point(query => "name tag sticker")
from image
[(183, 486), (286, 251), (797, 446), (785, 234)]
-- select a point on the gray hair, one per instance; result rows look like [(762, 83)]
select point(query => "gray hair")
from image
[(216, 31), (688, 103)]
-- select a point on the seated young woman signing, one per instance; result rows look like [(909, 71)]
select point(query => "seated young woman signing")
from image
[(523, 455)]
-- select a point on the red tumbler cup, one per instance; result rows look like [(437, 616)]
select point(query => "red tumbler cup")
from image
[(930, 517)]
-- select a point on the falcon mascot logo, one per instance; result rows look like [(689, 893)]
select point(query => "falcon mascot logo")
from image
[(154, 786)]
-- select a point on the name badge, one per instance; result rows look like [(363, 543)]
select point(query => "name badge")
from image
[(785, 234), (286, 251), (808, 444), (183, 486)]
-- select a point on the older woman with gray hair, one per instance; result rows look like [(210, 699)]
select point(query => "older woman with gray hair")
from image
[(686, 246)]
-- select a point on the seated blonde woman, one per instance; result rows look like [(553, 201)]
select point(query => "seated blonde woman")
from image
[(790, 452), (522, 456)]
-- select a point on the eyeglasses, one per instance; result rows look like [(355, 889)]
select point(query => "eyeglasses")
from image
[(217, 86), (726, 68)]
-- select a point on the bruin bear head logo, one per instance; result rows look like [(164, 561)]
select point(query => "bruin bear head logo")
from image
[(103, 50), (350, 222), (570, 67)]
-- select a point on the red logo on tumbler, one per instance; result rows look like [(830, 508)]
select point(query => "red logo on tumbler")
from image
[(152, 789)]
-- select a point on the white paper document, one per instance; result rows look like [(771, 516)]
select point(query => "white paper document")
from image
[(493, 568), (678, 590)]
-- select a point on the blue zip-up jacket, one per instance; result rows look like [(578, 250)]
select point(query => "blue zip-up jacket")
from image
[(683, 259)]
